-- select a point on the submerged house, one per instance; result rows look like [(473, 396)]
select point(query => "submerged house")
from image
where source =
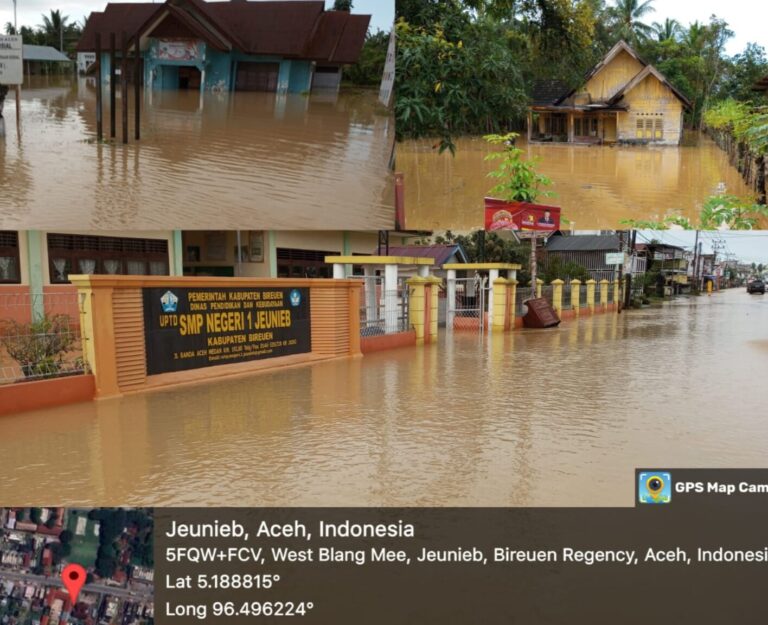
[(622, 99), (285, 46)]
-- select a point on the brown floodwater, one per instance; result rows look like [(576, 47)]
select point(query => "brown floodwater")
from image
[(222, 161), (596, 186), (538, 417)]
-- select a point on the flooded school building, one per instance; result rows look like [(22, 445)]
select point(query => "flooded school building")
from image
[(283, 47)]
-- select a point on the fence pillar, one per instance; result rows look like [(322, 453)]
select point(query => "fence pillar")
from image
[(499, 310), (390, 298), (512, 303), (539, 284), (434, 307), (575, 295), (604, 293), (339, 271), (492, 275), (616, 293), (416, 306), (97, 329), (450, 307), (591, 295), (557, 296), (372, 295)]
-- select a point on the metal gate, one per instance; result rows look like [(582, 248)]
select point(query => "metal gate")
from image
[(382, 311), (467, 303)]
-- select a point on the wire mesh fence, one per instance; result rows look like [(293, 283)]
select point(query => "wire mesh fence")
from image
[(39, 336), (383, 311), (468, 308)]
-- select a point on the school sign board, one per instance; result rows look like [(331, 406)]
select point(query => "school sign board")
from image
[(11, 64), (520, 216), (189, 328)]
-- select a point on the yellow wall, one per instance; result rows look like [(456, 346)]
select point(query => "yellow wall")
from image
[(647, 100), (609, 79)]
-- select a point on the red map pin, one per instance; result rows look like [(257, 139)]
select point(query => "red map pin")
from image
[(73, 577)]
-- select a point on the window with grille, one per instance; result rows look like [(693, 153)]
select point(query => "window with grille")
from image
[(295, 263), (10, 272), (89, 254)]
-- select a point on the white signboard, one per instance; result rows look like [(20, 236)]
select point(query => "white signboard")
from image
[(11, 66), (614, 258)]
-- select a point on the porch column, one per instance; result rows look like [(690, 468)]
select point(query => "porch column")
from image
[(390, 298), (570, 128), (450, 309), (530, 125)]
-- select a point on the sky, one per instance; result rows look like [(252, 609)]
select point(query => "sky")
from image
[(748, 246), (746, 18), (29, 11)]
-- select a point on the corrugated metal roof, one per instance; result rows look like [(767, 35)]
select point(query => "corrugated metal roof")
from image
[(583, 243), (43, 53), (441, 253)]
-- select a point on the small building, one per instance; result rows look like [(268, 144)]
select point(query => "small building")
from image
[(442, 254), (669, 262), (589, 251), (273, 46), (622, 99), (40, 60)]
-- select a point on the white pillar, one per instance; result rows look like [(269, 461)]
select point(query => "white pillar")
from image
[(338, 271), (492, 275), (512, 274), (390, 297), (371, 295), (450, 309), (424, 271)]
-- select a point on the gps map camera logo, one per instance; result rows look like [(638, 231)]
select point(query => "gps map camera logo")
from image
[(655, 487), (169, 302), (295, 297)]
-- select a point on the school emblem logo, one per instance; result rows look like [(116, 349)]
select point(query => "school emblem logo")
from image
[(295, 297), (169, 302)]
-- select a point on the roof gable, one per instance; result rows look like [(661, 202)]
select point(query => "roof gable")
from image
[(649, 70)]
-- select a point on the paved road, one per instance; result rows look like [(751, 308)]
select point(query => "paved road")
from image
[(137, 595)]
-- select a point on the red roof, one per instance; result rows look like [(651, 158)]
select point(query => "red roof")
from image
[(295, 28)]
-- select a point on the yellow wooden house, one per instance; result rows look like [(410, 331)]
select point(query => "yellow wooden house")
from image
[(623, 99)]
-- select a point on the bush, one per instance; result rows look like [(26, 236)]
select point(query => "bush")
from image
[(38, 346)]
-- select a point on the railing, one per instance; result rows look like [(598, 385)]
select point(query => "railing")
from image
[(383, 312), (39, 337)]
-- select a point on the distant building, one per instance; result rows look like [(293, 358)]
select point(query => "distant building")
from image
[(622, 99), (43, 60), (589, 251), (283, 46)]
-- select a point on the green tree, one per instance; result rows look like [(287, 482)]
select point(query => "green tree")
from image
[(370, 67), (35, 514), (342, 5), (670, 29), (518, 179), (10, 29), (53, 27), (627, 16)]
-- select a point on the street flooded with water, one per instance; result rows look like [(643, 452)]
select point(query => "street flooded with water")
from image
[(555, 417), (596, 186), (244, 160)]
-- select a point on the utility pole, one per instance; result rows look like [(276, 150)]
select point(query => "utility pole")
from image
[(695, 261)]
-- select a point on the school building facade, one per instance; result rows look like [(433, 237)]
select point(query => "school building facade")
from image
[(283, 47)]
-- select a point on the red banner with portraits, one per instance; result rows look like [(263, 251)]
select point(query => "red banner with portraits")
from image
[(503, 215)]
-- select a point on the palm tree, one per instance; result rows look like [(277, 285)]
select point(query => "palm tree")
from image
[(627, 15), (670, 29), (9, 29), (53, 28)]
